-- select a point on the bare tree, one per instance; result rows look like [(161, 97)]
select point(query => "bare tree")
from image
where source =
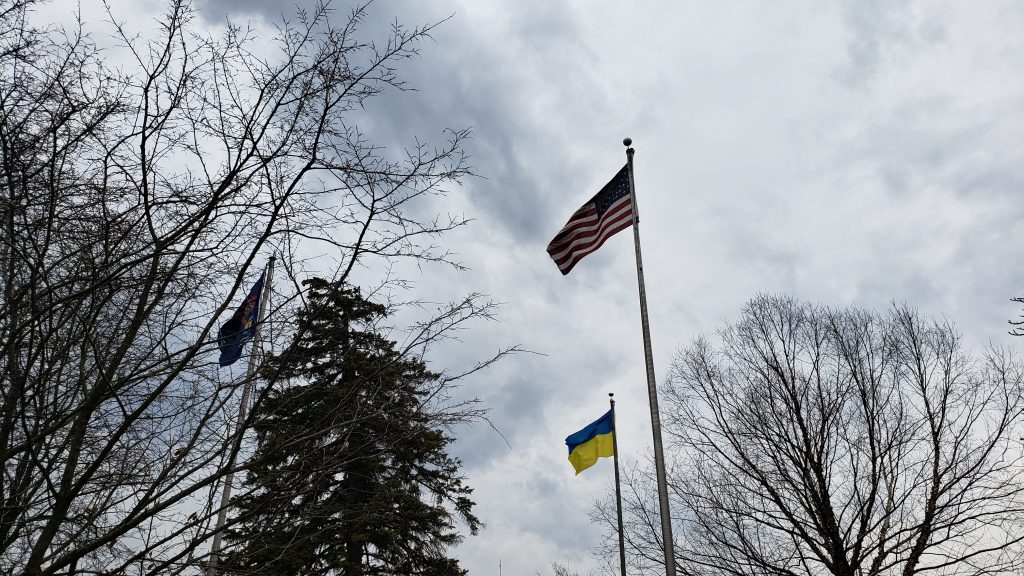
[(841, 441), (559, 569), (135, 202), (1018, 325)]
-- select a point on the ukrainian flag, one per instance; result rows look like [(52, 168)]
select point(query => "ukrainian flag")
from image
[(591, 443)]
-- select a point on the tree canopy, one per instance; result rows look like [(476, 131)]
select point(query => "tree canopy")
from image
[(351, 475), (811, 440), (138, 201)]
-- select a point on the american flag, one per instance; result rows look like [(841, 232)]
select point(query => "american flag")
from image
[(608, 212)]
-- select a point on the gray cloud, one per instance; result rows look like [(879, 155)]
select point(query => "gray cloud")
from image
[(875, 29)]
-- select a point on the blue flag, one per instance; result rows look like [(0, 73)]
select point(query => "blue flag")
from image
[(241, 327)]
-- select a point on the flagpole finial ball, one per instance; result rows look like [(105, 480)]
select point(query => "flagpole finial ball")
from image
[(627, 142)]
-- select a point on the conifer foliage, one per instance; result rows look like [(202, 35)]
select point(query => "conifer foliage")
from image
[(351, 475)]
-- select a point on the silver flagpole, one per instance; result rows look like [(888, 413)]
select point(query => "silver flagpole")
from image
[(243, 406), (652, 385), (618, 491)]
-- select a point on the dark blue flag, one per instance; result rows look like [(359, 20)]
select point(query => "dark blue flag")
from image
[(241, 327)]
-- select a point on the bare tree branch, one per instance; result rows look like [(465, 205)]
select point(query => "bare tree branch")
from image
[(135, 205), (839, 441)]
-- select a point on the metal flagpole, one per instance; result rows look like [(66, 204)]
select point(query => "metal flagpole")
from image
[(652, 385), (618, 491), (243, 407)]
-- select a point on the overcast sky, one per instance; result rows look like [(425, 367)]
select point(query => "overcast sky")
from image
[(857, 152)]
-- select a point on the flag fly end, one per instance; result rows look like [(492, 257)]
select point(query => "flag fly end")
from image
[(610, 211)]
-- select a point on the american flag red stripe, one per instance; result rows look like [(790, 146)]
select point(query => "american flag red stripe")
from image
[(608, 212)]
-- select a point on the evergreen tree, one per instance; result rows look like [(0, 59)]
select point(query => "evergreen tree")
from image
[(351, 475)]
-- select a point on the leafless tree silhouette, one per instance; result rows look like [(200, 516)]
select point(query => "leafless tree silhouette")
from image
[(137, 203), (839, 441)]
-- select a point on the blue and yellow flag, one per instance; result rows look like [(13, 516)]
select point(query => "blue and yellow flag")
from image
[(593, 442)]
